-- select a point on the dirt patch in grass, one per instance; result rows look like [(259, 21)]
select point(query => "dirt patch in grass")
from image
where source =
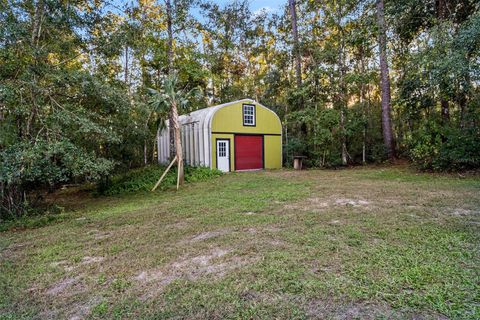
[(351, 202), (316, 204), (67, 266), (464, 212), (14, 251), (71, 297), (179, 224), (216, 262), (90, 260), (66, 286), (101, 236), (82, 310), (207, 235), (75, 310), (255, 297), (322, 309)]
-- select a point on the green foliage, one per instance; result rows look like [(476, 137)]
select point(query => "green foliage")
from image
[(319, 139), (58, 119), (441, 73), (170, 94), (25, 167), (50, 163), (293, 147), (143, 179), (317, 135), (436, 148), (460, 151)]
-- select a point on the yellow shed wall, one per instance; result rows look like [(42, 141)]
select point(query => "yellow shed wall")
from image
[(273, 152), (229, 120)]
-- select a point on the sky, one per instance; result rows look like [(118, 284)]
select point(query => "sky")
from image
[(271, 6), (255, 5)]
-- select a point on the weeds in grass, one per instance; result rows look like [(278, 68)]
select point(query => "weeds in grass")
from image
[(143, 179)]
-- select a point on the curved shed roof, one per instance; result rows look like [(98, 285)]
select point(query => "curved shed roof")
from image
[(205, 115)]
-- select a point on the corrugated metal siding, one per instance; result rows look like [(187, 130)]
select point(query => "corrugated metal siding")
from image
[(163, 146), (192, 138)]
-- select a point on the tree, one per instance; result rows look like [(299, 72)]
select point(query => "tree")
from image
[(385, 82), (169, 96), (441, 15), (172, 120), (59, 120), (296, 44)]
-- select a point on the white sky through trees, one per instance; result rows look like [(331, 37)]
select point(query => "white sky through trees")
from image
[(271, 6)]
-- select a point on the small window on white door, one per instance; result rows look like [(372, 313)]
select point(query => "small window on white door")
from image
[(249, 115), (222, 152)]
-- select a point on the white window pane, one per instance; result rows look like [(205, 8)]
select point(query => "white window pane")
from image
[(248, 115)]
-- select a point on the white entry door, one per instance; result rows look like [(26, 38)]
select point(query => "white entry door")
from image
[(223, 155)]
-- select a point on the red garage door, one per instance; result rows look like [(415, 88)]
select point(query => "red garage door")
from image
[(248, 152)]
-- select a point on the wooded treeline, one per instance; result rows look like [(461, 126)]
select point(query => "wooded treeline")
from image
[(75, 80)]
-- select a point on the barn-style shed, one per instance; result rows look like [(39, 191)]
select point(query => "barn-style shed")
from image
[(239, 135)]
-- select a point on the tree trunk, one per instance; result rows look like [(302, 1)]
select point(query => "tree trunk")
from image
[(178, 143), (287, 159), (385, 83), (145, 160), (444, 106), (13, 200), (344, 138), (170, 36), (171, 129), (342, 94), (125, 75), (364, 112), (168, 5), (296, 46), (37, 22), (462, 104), (445, 110), (35, 38)]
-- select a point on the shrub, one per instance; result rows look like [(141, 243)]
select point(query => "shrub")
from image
[(379, 153), (143, 179), (460, 151), (440, 149), (28, 167)]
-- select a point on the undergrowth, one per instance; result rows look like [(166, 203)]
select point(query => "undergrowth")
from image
[(143, 179)]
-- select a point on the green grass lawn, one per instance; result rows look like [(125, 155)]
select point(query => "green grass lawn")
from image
[(362, 243)]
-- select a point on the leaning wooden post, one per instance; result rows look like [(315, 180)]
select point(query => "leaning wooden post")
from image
[(164, 174), (179, 172)]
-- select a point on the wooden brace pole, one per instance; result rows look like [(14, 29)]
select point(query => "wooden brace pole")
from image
[(178, 173), (164, 174)]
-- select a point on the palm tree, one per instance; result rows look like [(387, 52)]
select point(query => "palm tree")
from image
[(169, 97)]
